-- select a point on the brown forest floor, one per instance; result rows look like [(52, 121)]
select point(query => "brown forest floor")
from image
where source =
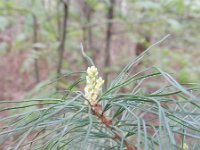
[(14, 82)]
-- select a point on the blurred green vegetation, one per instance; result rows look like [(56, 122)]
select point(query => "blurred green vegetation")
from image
[(40, 51), (34, 28)]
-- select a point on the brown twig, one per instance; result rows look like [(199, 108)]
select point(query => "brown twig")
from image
[(96, 109)]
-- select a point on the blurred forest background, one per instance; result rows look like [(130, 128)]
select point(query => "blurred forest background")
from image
[(40, 39)]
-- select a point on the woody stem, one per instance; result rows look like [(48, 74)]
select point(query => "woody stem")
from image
[(108, 123)]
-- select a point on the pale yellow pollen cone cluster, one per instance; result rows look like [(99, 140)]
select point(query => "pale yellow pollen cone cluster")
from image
[(185, 146), (93, 85)]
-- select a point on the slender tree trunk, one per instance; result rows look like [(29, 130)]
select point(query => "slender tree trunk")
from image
[(58, 19), (35, 40), (63, 37), (110, 16), (90, 34), (87, 29)]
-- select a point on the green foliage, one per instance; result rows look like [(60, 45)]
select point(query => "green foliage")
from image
[(4, 23), (162, 114), (141, 18), (182, 65), (146, 120)]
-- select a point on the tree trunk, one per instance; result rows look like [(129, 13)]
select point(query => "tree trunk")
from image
[(110, 16), (63, 37), (87, 29), (35, 40), (58, 21), (90, 34)]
